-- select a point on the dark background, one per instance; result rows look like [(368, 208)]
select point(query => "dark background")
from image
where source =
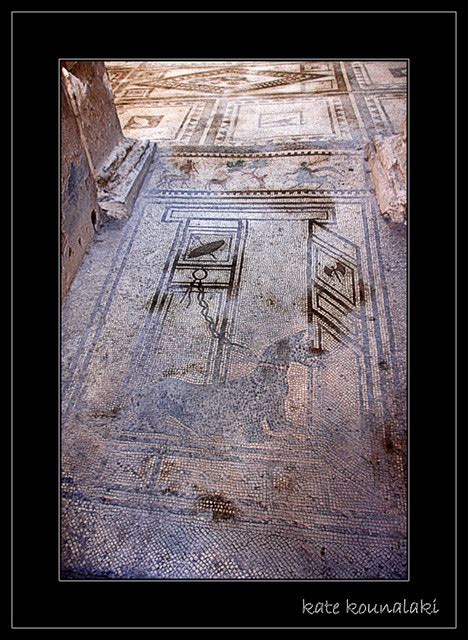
[(40, 39)]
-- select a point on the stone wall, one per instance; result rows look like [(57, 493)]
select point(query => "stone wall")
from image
[(101, 170), (93, 92), (80, 209), (387, 162)]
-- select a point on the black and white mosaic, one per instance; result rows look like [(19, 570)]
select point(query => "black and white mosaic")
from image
[(234, 356)]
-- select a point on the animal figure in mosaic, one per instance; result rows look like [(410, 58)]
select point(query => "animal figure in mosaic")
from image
[(218, 181), (305, 174), (189, 167), (241, 406), (317, 176), (168, 180), (260, 179), (249, 169)]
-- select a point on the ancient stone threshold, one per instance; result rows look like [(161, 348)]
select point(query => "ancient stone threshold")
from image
[(120, 178)]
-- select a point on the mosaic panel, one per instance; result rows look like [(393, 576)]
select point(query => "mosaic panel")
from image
[(234, 394)]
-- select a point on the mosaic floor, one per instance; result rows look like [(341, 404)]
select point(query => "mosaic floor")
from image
[(234, 356)]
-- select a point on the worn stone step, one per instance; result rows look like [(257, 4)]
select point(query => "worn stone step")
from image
[(117, 194)]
